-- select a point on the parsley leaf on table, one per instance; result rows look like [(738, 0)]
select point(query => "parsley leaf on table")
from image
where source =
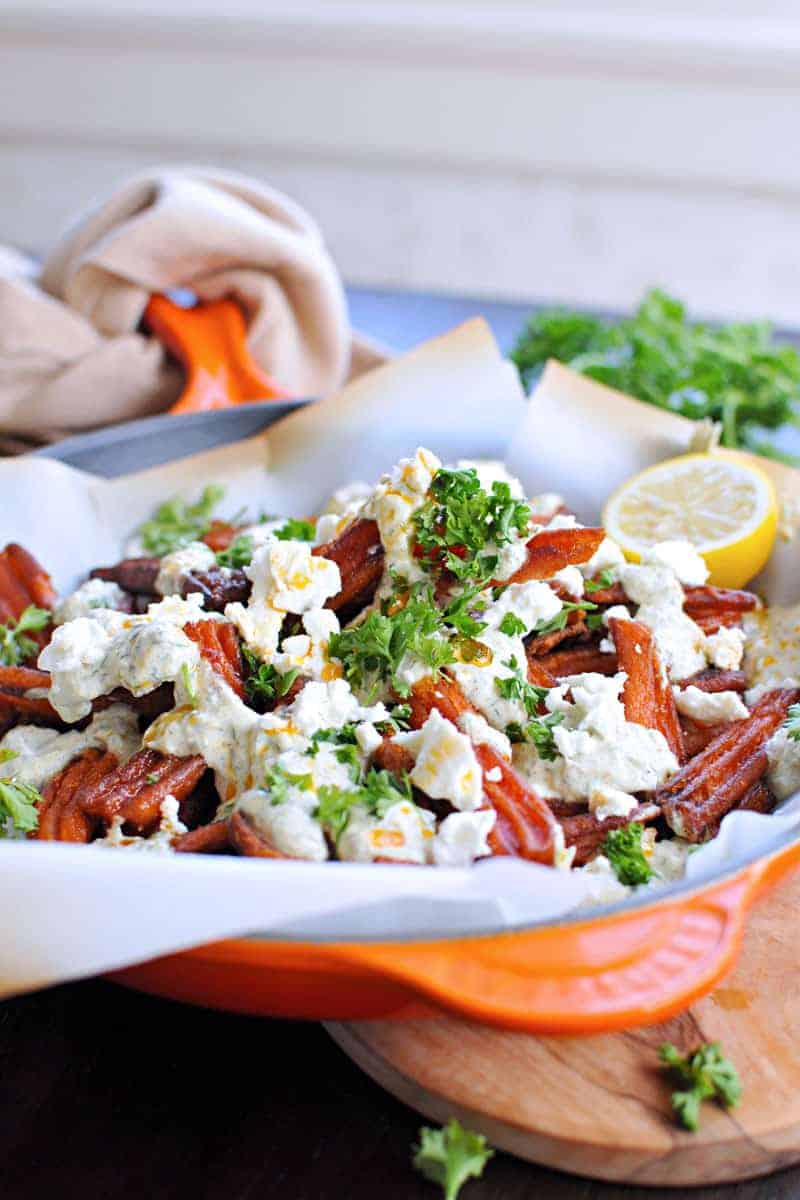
[(176, 523), (707, 1075), (15, 645), (18, 805), (735, 374), (451, 1156), (623, 849)]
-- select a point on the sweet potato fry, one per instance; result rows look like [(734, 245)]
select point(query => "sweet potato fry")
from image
[(704, 601), (213, 838), (711, 622), (35, 709), (393, 758), (217, 587), (23, 678), (553, 549), (538, 673), (587, 834), (137, 575), (604, 597), (697, 736), (577, 660), (247, 841), (219, 646), (136, 790), (525, 826), (547, 642), (647, 696), (220, 535), (23, 581), (61, 815), (696, 798), (358, 554), (713, 680), (758, 798)]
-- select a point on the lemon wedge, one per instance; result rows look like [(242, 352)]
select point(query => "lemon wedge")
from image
[(722, 503)]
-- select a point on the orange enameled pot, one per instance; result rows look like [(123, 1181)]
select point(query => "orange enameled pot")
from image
[(602, 972)]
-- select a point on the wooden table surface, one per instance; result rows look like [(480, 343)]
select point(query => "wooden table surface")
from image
[(110, 1094)]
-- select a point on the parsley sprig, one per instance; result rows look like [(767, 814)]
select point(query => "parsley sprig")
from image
[(623, 849), (238, 554), (264, 681), (451, 1156), (516, 687), (371, 653), (460, 526), (792, 722), (559, 621), (707, 1074), (604, 580), (377, 793), (278, 780), (539, 732), (735, 374), (19, 804), (296, 530), (15, 645), (176, 523)]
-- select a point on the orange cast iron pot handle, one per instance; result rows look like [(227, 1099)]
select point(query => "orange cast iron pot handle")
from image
[(585, 977), (210, 342)]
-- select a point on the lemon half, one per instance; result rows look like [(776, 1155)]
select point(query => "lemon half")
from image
[(722, 503)]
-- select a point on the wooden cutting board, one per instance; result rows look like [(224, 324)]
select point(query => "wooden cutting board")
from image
[(599, 1106)]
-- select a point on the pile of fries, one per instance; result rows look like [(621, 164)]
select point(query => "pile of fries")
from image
[(104, 794)]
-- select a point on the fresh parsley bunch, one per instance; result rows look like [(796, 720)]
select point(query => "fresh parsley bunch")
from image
[(735, 374)]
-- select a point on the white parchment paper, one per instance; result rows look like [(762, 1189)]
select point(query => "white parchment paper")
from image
[(77, 910)]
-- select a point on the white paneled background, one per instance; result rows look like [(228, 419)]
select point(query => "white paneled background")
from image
[(573, 151)]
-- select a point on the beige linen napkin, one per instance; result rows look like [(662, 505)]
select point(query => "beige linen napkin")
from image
[(71, 356)]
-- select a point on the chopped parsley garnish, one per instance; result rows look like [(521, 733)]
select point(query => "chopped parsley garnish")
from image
[(559, 621), (372, 652), (792, 722), (604, 580), (516, 687), (451, 1156), (238, 554), (377, 793), (539, 732), (460, 521), (189, 686), (265, 682), (735, 373), (277, 781), (594, 621), (623, 849), (6, 754), (707, 1074), (15, 646), (18, 806), (151, 779), (296, 531), (460, 613), (512, 625), (177, 523)]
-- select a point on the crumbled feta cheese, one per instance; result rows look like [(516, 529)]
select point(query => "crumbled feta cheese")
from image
[(174, 568), (546, 504), (489, 471), (308, 652), (682, 558), (597, 747), (159, 842), (532, 602), (571, 579), (616, 610), (461, 838), (658, 592), (368, 738), (512, 555), (709, 708), (286, 578), (402, 834), (480, 732), (772, 651), (92, 595), (446, 767), (393, 504), (562, 521), (41, 753), (783, 755), (605, 801), (330, 706), (724, 649), (494, 775)]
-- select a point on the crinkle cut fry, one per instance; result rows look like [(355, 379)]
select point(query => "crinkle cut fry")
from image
[(137, 575), (358, 553), (546, 642), (23, 581), (706, 600), (647, 695), (713, 680), (219, 646), (247, 841), (213, 838), (61, 814), (697, 736), (127, 792), (712, 622), (696, 798), (758, 798), (586, 833), (525, 826), (553, 549), (578, 660)]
